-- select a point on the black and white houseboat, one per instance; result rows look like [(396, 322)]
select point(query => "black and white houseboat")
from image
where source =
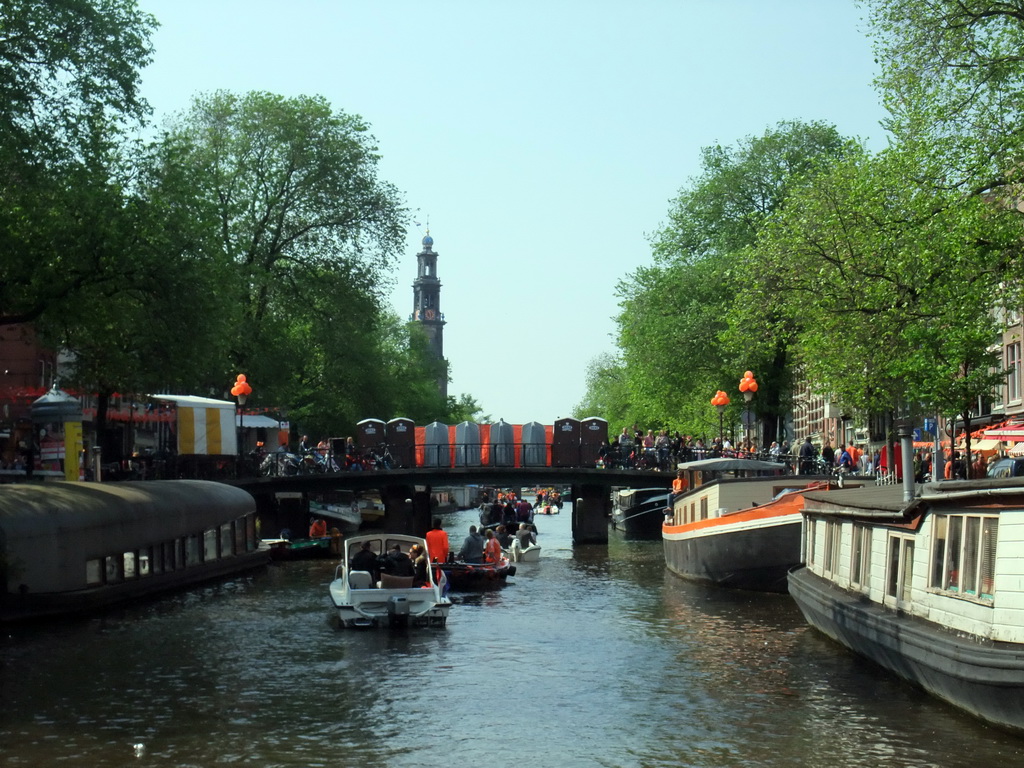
[(928, 583)]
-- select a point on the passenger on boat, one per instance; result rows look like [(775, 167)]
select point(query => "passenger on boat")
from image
[(419, 564), (397, 563), (366, 560), (437, 542), (525, 535), (679, 485), (473, 547), (503, 536), (492, 548), (317, 528)]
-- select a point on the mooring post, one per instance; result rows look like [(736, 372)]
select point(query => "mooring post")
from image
[(591, 507)]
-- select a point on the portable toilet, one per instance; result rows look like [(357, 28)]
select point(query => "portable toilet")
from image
[(535, 444), (593, 433), (467, 444), (503, 451), (401, 440), (370, 433), (436, 448), (565, 443)]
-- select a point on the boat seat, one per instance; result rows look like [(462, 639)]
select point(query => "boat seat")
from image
[(360, 580), (387, 581)]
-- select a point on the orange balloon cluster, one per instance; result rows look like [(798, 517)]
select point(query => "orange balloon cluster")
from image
[(748, 383), (241, 387), (720, 398)]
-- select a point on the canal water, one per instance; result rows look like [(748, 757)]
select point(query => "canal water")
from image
[(595, 656)]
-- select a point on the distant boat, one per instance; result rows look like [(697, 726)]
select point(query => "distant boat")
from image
[(639, 512)]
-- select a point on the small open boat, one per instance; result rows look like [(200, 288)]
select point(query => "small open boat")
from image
[(517, 554), (302, 549), (368, 599), (463, 576)]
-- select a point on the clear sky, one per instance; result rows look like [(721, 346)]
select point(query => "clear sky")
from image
[(542, 140)]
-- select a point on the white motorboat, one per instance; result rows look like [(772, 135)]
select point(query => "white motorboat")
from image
[(367, 598), (517, 554)]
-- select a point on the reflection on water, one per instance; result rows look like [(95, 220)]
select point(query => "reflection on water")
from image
[(595, 656)]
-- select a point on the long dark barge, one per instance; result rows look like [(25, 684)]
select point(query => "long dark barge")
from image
[(71, 548)]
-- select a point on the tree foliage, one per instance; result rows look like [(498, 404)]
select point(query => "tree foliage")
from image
[(679, 331), (69, 83)]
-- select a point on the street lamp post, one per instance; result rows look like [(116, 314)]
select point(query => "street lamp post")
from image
[(241, 390), (748, 386), (720, 400)]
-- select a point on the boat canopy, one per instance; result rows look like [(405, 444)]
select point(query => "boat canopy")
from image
[(726, 464)]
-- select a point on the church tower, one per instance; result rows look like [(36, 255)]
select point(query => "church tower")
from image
[(426, 292)]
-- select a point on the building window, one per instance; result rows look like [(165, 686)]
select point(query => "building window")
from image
[(964, 555), (1013, 371), (860, 563), (899, 569)]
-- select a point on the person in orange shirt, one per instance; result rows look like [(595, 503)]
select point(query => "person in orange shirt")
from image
[(492, 548), (679, 486), (437, 542), (317, 528)]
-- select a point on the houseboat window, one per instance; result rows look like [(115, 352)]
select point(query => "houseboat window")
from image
[(972, 538), (964, 555), (129, 565), (227, 539), (241, 527), (113, 570), (144, 562), (192, 556), (812, 527), (170, 560), (833, 530), (900, 568), (860, 565), (157, 562), (94, 571), (704, 508), (210, 544)]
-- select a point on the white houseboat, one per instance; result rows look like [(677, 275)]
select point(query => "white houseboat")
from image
[(930, 586), (72, 547)]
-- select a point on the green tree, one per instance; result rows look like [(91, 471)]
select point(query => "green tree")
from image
[(287, 194), (894, 283), (69, 74), (951, 81), (681, 333)]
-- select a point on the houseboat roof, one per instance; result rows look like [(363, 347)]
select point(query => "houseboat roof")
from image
[(726, 464), (163, 507)]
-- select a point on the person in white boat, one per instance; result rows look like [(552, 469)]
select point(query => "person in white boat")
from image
[(525, 536), (366, 560), (398, 563), (419, 564), (503, 536)]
